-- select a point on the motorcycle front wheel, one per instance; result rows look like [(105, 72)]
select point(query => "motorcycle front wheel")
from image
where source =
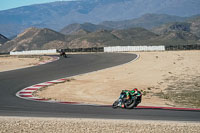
[(115, 104)]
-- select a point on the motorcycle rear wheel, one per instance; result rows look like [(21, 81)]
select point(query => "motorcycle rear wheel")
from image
[(131, 104)]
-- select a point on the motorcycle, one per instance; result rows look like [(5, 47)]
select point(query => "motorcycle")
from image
[(130, 103), (62, 54)]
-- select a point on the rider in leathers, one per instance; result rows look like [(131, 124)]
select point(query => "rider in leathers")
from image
[(128, 93)]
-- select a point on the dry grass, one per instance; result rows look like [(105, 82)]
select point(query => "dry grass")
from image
[(183, 90)]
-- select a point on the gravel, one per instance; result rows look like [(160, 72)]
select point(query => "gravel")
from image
[(63, 125)]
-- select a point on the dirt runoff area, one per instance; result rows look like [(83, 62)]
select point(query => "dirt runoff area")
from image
[(8, 62), (62, 125), (160, 76)]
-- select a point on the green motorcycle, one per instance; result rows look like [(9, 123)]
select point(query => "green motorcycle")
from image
[(129, 99)]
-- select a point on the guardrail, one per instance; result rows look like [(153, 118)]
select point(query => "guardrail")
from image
[(4, 53), (183, 47)]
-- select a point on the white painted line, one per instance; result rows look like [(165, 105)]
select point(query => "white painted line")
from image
[(45, 84), (57, 81)]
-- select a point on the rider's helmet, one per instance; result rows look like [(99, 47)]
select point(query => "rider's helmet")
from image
[(135, 89)]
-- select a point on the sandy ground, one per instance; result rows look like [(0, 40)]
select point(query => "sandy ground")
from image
[(61, 125), (148, 73), (16, 62)]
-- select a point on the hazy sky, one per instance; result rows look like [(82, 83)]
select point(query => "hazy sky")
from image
[(7, 4)]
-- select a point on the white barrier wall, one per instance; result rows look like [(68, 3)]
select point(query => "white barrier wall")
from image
[(133, 48), (34, 52), (106, 49)]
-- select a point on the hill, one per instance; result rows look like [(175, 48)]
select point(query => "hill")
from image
[(56, 15), (195, 25), (177, 38), (88, 27), (32, 38), (99, 38), (191, 25), (176, 26), (3, 39), (147, 21)]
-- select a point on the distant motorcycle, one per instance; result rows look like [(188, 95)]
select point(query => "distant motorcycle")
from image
[(62, 54), (130, 103)]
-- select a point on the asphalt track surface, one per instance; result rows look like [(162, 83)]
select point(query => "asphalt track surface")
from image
[(13, 81)]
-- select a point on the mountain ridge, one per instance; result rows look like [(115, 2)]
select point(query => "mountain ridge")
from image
[(69, 29), (191, 25), (147, 21), (34, 38), (56, 15), (3, 39)]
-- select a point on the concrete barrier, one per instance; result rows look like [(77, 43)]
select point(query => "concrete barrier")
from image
[(133, 48), (102, 49), (34, 52)]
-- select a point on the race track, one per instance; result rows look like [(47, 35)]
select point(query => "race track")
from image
[(13, 81)]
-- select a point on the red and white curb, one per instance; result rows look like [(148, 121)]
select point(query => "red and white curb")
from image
[(27, 93)]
